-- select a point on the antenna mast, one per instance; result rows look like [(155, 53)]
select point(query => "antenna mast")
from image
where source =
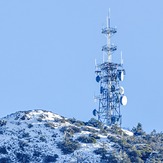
[(108, 37), (109, 75)]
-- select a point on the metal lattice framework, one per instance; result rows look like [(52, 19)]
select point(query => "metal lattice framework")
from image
[(109, 75)]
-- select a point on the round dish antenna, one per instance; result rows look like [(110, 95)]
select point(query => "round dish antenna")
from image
[(123, 100)]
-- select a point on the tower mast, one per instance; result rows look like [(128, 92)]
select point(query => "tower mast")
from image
[(108, 37), (109, 75)]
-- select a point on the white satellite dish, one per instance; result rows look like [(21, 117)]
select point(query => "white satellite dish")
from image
[(123, 100), (121, 75), (121, 90)]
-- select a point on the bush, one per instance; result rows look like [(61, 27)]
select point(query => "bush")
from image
[(134, 155), (68, 147), (70, 129), (25, 135), (100, 151), (39, 119), (23, 117), (109, 158), (3, 123), (94, 123), (43, 138), (36, 154), (51, 158), (79, 123), (5, 160), (94, 136), (86, 139), (3, 150), (75, 129), (63, 129), (30, 125), (124, 144), (112, 138), (138, 131), (63, 120), (85, 128), (145, 151), (71, 120), (23, 158), (54, 135), (116, 130), (50, 124), (22, 145)]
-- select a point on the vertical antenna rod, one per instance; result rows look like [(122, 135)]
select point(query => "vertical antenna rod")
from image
[(108, 37), (121, 59)]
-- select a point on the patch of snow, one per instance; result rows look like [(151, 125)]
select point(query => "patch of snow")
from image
[(129, 133), (48, 115)]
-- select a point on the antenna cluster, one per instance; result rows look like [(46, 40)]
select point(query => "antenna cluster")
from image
[(109, 75)]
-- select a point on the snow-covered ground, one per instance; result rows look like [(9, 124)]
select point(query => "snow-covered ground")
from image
[(34, 137)]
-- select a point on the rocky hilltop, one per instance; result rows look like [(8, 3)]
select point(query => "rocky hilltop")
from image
[(41, 136)]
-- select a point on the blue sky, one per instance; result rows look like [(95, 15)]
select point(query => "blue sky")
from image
[(47, 52)]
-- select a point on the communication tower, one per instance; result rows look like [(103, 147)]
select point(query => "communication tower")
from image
[(109, 75)]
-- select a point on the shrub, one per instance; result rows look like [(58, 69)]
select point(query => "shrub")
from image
[(100, 151), (79, 123), (124, 144), (25, 135), (3, 123), (51, 158), (95, 123), (58, 120), (23, 158), (107, 129), (86, 139), (68, 147), (75, 129), (22, 145), (39, 119), (71, 120), (70, 129), (3, 150), (36, 153), (134, 155), (43, 138), (116, 130), (138, 131), (63, 129), (85, 128), (112, 138), (145, 151), (5, 160), (111, 157), (94, 136), (75, 122), (62, 120), (18, 123), (50, 124), (54, 135), (30, 125), (23, 117)]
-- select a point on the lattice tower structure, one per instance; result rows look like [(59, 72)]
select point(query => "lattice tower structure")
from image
[(109, 75)]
